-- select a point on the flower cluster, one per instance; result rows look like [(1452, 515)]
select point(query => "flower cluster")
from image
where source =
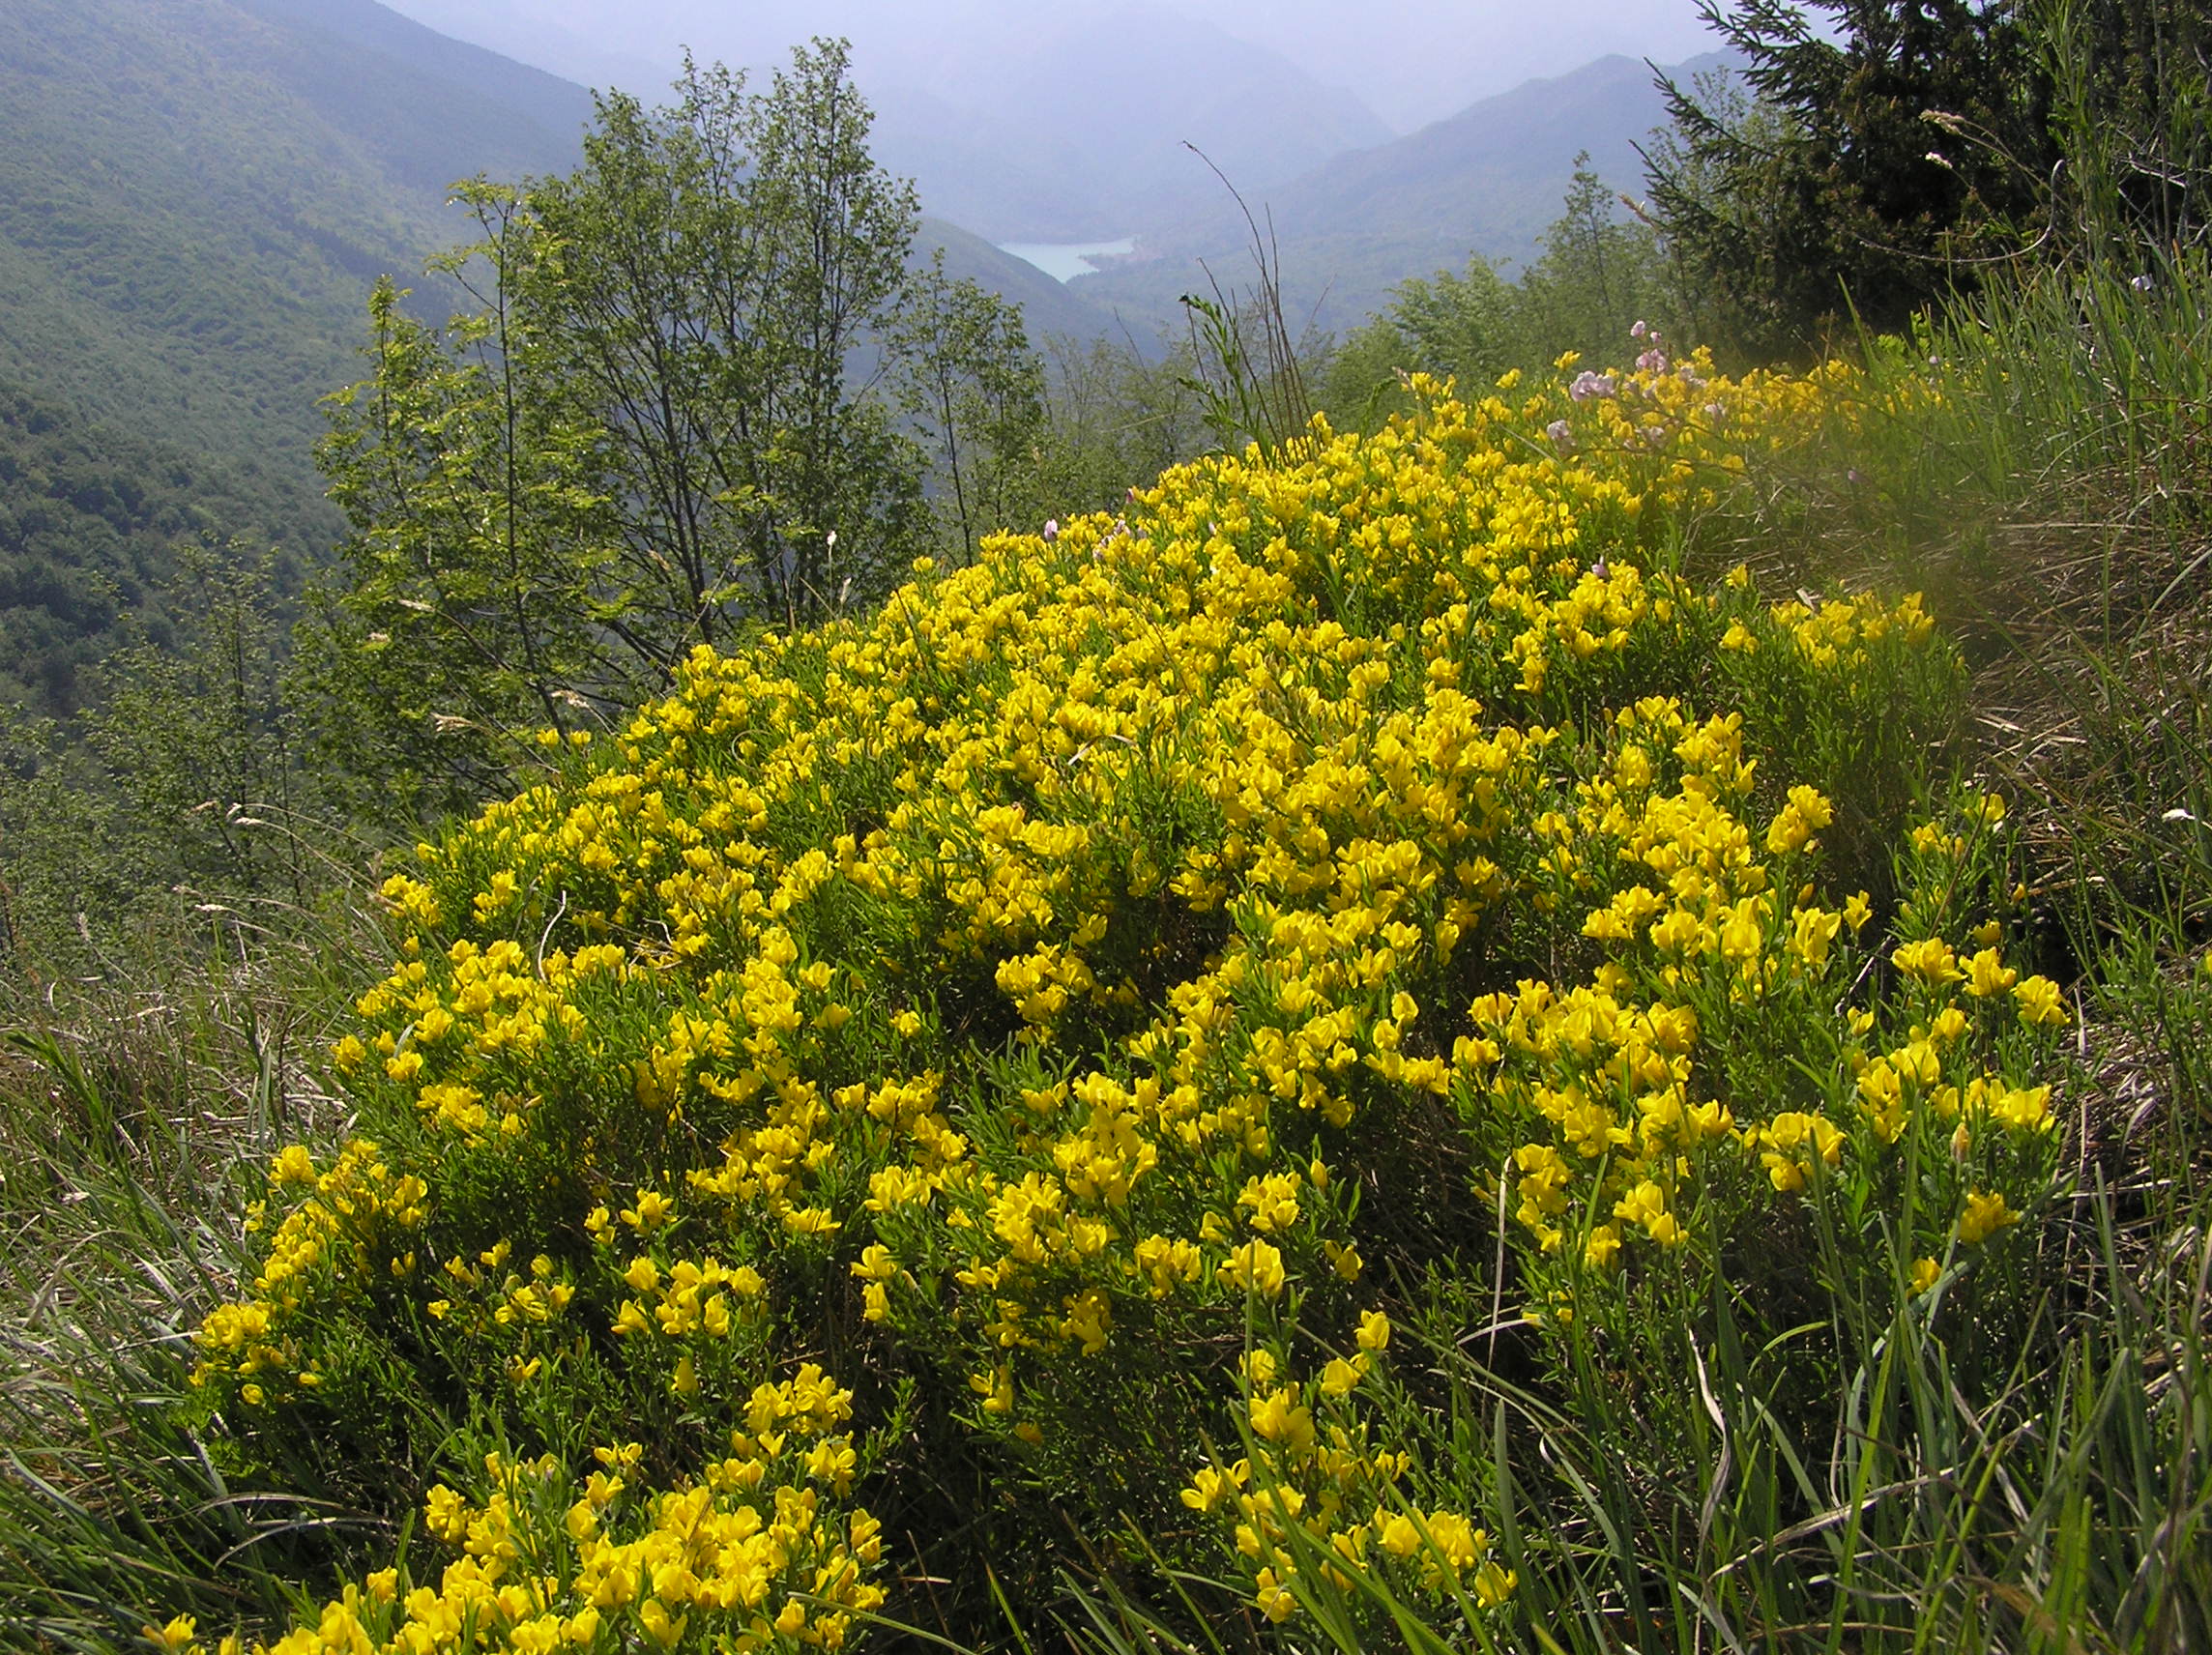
[(1028, 980), (346, 1230), (746, 1559), (1314, 1493)]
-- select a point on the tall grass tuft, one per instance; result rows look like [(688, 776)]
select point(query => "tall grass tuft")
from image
[(138, 1106)]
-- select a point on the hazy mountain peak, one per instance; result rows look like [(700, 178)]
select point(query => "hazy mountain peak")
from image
[(1488, 179)]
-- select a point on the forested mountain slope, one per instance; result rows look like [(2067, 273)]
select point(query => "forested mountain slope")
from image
[(193, 198), (90, 519)]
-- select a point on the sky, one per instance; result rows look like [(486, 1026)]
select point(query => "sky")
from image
[(1410, 61)]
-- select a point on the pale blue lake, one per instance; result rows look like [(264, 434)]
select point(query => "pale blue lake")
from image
[(1063, 261)]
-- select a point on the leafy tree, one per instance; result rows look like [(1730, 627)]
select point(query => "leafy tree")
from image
[(703, 285), (1599, 275), (470, 603), (976, 392), (671, 415), (1469, 324)]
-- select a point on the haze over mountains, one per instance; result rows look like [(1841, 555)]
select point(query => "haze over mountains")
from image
[(1488, 180), (1409, 61), (1083, 136), (1098, 121), (1025, 125), (195, 196)]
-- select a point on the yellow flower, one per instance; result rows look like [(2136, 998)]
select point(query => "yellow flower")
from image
[(1278, 1416), (1493, 1585), (1256, 1267), (1931, 960), (667, 1629), (1339, 1379), (1988, 974), (1647, 1205), (292, 1165), (178, 1633), (1984, 1217), (2039, 1002), (1210, 1489)]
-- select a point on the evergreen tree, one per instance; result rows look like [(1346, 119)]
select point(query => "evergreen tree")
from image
[(1880, 158)]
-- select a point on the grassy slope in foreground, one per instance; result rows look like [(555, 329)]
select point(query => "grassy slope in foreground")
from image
[(1087, 1008)]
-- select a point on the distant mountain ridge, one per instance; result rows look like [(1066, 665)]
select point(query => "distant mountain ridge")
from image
[(513, 118), (1487, 180), (1071, 128), (1086, 134)]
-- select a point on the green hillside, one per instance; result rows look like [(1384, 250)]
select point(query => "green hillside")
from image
[(90, 517), (427, 101), (193, 198)]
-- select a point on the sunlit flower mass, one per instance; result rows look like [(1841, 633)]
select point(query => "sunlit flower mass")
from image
[(1045, 980)]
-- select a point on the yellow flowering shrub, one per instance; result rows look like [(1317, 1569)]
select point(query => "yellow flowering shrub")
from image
[(1052, 995), (747, 1557)]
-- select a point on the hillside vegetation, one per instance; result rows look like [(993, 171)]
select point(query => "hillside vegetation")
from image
[(90, 521), (1244, 1033), (195, 199), (1561, 1006)]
